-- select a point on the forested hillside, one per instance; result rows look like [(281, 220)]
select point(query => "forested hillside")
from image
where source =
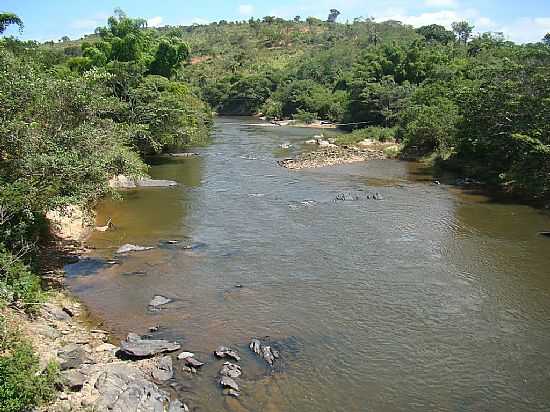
[(478, 103)]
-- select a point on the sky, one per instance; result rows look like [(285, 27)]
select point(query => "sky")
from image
[(521, 21)]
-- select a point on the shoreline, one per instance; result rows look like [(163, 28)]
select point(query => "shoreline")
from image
[(93, 374)]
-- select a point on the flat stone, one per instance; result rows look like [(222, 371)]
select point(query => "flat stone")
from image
[(163, 370), (106, 347), (72, 356), (74, 379), (55, 311), (184, 355), (155, 183), (231, 370), (228, 382), (47, 331), (178, 406), (194, 363), (132, 248), (223, 352), (159, 300), (123, 388), (136, 347)]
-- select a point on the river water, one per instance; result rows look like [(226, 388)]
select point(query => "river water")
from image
[(430, 299)]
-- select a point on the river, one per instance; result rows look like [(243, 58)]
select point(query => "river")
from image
[(430, 299)]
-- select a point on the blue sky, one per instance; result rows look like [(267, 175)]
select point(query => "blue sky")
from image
[(521, 21)]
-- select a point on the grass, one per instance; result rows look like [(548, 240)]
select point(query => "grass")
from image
[(23, 385)]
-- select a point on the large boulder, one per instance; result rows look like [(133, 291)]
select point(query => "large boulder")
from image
[(136, 347)]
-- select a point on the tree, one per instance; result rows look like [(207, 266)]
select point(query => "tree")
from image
[(463, 30), (65, 39), (170, 53), (7, 19), (333, 15), (546, 39), (436, 33)]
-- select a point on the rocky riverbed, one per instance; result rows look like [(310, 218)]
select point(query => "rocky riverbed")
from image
[(333, 155)]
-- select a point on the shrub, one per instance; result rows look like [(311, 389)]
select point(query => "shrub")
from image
[(22, 384), (381, 134)]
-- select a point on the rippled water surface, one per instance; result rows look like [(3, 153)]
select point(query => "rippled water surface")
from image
[(431, 299)]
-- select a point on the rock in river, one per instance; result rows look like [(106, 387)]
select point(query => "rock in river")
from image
[(136, 347), (265, 352), (159, 300), (132, 248), (163, 370), (223, 352), (231, 370), (228, 382)]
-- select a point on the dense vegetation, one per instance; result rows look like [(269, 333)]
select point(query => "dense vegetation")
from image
[(75, 113), (476, 104), (67, 125)]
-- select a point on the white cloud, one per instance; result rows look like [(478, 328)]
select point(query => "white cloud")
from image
[(526, 30), (441, 3), (246, 9), (154, 21), (85, 24)]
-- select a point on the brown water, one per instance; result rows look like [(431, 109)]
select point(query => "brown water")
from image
[(431, 299)]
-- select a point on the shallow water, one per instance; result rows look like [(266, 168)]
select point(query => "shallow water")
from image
[(431, 299)]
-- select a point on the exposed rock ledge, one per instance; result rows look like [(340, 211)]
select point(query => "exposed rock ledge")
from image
[(71, 223), (124, 182), (94, 378), (330, 156)]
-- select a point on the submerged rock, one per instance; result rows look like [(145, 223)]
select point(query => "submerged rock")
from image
[(228, 382), (265, 352), (158, 301), (124, 182), (132, 248), (136, 347), (231, 392), (223, 352)]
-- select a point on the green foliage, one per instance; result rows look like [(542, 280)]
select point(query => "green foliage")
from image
[(167, 114), (23, 385), (17, 282), (170, 53), (436, 33), (305, 117), (7, 19), (381, 134), (431, 128), (463, 30)]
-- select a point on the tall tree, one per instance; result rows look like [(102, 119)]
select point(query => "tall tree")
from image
[(546, 39), (463, 30), (7, 19), (333, 15)]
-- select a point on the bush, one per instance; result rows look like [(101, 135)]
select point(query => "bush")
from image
[(17, 283), (431, 128), (381, 134), (22, 384), (305, 117)]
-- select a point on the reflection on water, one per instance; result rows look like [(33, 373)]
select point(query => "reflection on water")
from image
[(431, 299)]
